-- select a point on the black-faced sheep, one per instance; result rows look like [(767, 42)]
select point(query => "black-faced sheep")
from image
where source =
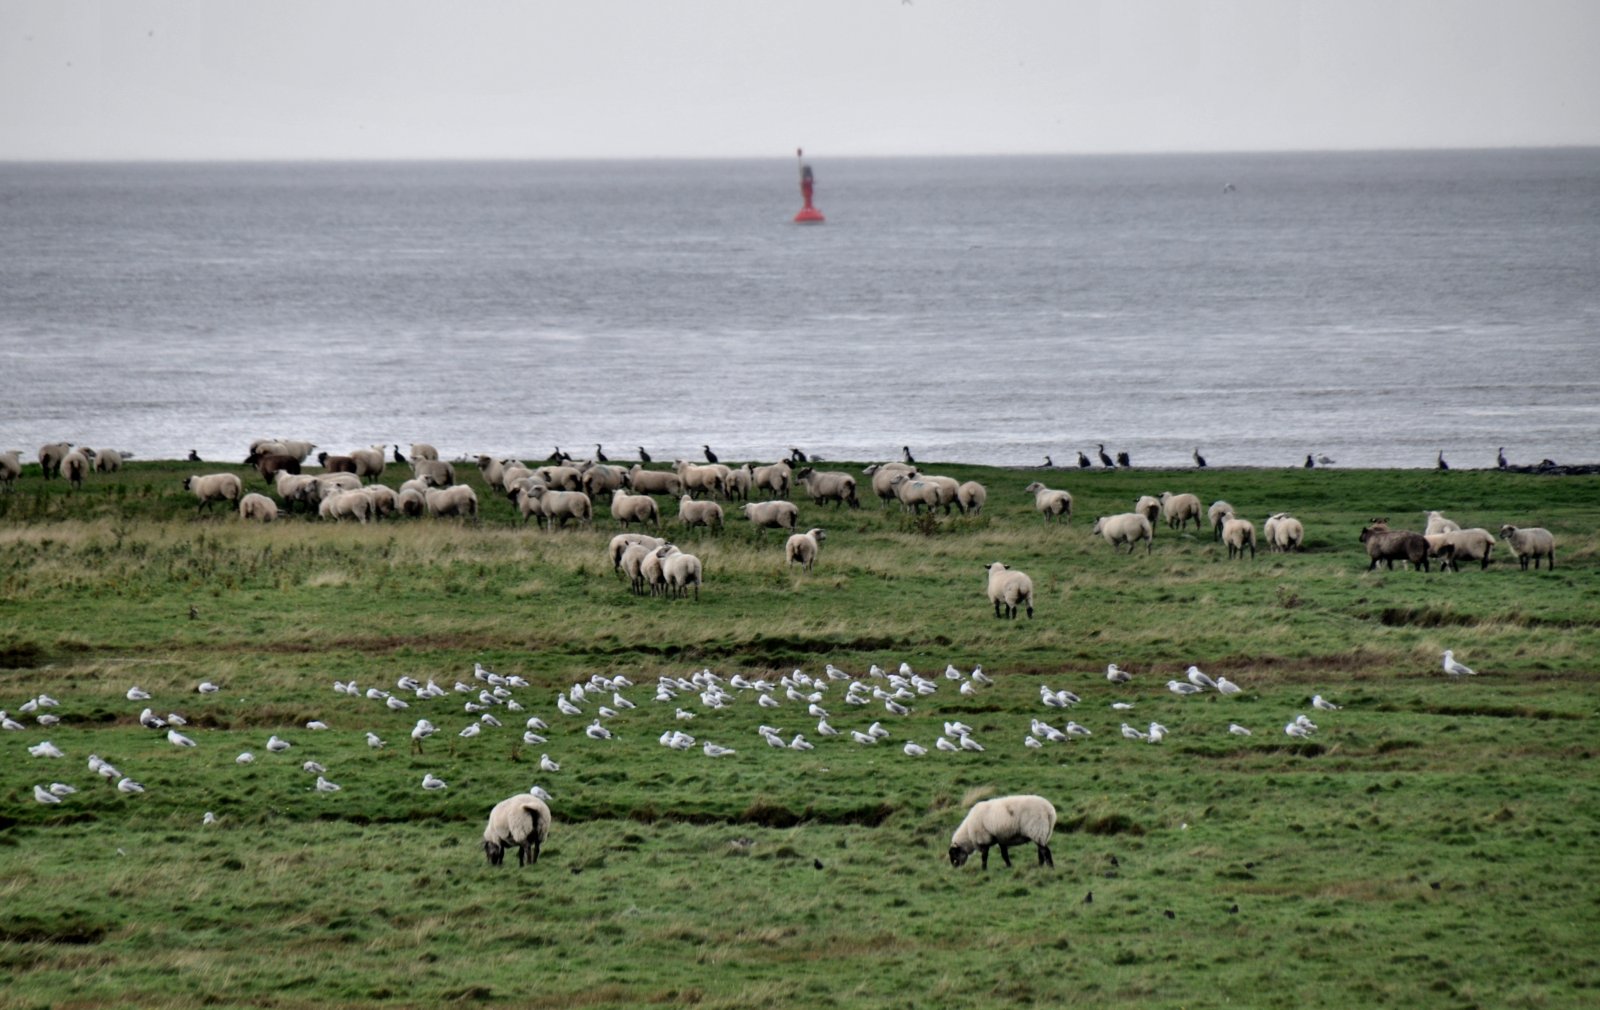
[(1009, 590), (75, 466), (1389, 546), (258, 507), (1530, 543), (108, 461), (336, 464), (1180, 508), (522, 820), (1005, 821), (883, 476), (1214, 515), (214, 488), (1126, 528), (828, 486), (1052, 504), (802, 548), (50, 456)]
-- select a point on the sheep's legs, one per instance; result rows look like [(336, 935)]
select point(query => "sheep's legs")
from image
[(1005, 855), (1045, 859)]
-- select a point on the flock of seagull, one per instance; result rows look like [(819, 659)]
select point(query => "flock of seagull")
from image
[(489, 702)]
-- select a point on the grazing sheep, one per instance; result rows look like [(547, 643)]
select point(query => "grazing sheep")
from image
[(1286, 533), (737, 483), (1437, 523), (108, 461), (435, 473), (654, 481), (411, 502), (1126, 528), (697, 478), (1533, 542), (679, 571), (773, 479), (422, 450), (1009, 589), (650, 570), (258, 507), (296, 489), (828, 485), (384, 500), (1389, 546), (1005, 821), (948, 489), (1214, 516), (493, 471), (699, 513), (601, 479), (561, 478), (1051, 504), (345, 505), (630, 564), (214, 488), (1179, 509), (1148, 506), (883, 476), (270, 464), (336, 464), (75, 466), (297, 448), (50, 456), (634, 508), (459, 500), (972, 496), (369, 461), (523, 821), (914, 492), (772, 514), (1239, 534), (620, 542), (802, 548), (556, 507), (10, 467)]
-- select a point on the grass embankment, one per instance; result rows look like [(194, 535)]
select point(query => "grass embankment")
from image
[(1430, 846)]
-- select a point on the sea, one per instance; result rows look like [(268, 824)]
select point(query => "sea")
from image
[(1370, 309)]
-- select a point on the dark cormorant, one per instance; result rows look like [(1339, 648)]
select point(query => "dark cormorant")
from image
[(711, 457), (644, 457), (1049, 464), (1083, 461), (397, 457), (1122, 459), (1501, 458), (1105, 460), (1311, 464), (558, 456), (906, 451), (599, 454), (1199, 460), (1442, 464), (194, 457)]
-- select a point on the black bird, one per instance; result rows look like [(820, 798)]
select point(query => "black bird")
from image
[(816, 864), (1442, 464), (1169, 914), (599, 454), (1088, 899), (397, 457), (1233, 910), (1122, 460), (194, 457), (644, 457), (906, 449), (1105, 460), (1501, 458), (711, 457), (1311, 464), (1199, 460), (558, 456), (796, 456), (1049, 464), (1083, 461)]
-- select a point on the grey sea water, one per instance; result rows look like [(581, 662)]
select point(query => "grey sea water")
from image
[(1376, 308)]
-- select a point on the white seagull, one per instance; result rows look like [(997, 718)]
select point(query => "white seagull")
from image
[(313, 768), (316, 724), (800, 743), (1454, 668), (1226, 686), (946, 744), (374, 741), (43, 795), (1158, 733), (1318, 701), (178, 739), (46, 749), (913, 750), (209, 818), (324, 786), (546, 764), (137, 693), (539, 792), (206, 687), (471, 730), (1134, 734), (864, 739), (61, 789), (1116, 674), (1181, 687), (1237, 730), (968, 743), (1199, 679), (430, 781), (1294, 729), (595, 731), (244, 758), (277, 745), (127, 785), (532, 739), (981, 677), (715, 751)]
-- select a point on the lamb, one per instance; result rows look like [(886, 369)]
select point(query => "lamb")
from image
[(75, 466), (634, 508), (1009, 589), (883, 475), (802, 548), (214, 488), (1239, 534), (699, 513), (972, 496), (1005, 821), (1214, 516), (1126, 528), (914, 492), (459, 500), (773, 479), (679, 571), (523, 821), (1050, 503), (108, 461), (1148, 506), (698, 478), (436, 473), (1389, 546), (772, 514), (1179, 509), (346, 505), (1286, 534), (258, 507), (1437, 523), (422, 450), (50, 456), (336, 464), (369, 461), (10, 468), (828, 485), (654, 481), (1533, 542)]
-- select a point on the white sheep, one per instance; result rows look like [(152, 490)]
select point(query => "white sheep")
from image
[(1050, 503), (493, 471), (556, 507), (802, 548), (522, 820), (699, 513), (384, 500), (913, 492), (634, 508), (972, 496), (1009, 589), (75, 466), (50, 456), (214, 488), (411, 502), (1214, 516), (459, 500), (1180, 508), (108, 461), (680, 571), (1148, 506), (369, 461), (1476, 544), (1126, 528), (948, 488), (10, 467), (697, 478), (1005, 821), (883, 475), (650, 570), (773, 479), (258, 507), (1437, 523), (600, 478), (828, 485), (654, 481), (631, 564), (422, 450), (1238, 534), (1533, 542), (620, 542), (345, 505), (1285, 533), (561, 477), (433, 472), (772, 514), (737, 483)]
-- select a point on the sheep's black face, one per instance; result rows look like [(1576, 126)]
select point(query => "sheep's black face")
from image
[(958, 855)]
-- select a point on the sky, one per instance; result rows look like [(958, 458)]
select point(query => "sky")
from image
[(364, 79)]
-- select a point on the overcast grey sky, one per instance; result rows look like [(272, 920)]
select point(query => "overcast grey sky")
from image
[(228, 79)]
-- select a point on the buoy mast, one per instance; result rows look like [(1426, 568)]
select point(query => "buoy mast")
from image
[(808, 214)]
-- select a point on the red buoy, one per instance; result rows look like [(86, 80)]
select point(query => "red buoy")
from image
[(808, 214)]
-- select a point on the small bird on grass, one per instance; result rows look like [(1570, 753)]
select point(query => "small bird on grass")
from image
[(1456, 669)]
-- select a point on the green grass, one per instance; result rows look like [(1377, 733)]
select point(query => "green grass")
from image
[(1432, 846)]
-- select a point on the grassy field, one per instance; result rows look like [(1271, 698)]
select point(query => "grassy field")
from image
[(1432, 845)]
